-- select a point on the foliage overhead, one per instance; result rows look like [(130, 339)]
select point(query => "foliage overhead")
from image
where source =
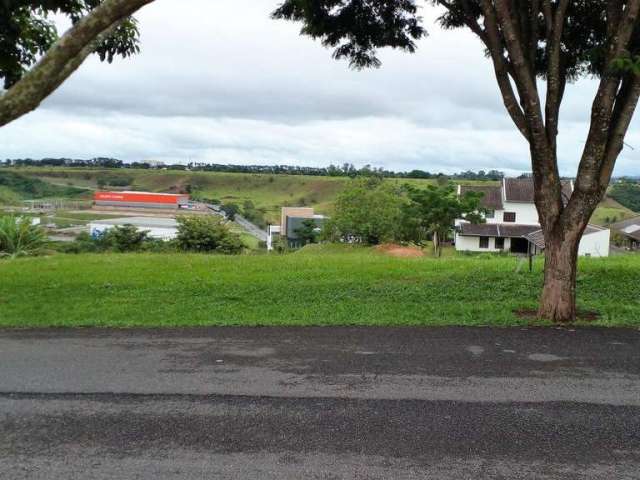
[(27, 31), (358, 28)]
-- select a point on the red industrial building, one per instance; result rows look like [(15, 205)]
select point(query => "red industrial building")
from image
[(141, 200)]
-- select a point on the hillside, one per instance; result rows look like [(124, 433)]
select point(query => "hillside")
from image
[(15, 187), (267, 192)]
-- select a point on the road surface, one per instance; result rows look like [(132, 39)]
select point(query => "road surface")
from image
[(321, 403)]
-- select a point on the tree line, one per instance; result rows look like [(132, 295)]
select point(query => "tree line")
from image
[(345, 170)]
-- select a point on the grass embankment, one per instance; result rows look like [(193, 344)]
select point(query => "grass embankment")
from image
[(317, 288)]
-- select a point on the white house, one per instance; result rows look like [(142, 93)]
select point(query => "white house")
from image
[(512, 222)]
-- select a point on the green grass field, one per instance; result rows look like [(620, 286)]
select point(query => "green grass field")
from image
[(337, 286)]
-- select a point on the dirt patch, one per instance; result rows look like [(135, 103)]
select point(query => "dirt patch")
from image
[(581, 315), (399, 250)]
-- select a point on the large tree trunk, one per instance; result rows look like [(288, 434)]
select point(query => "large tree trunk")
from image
[(558, 301)]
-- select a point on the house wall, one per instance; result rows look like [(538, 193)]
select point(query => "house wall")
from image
[(595, 244), (526, 213), (472, 244), (302, 212)]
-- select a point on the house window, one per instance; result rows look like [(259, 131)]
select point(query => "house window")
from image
[(490, 214), (484, 242), (509, 217), (499, 243)]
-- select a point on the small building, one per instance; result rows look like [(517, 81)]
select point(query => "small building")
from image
[(130, 199), (291, 220), (630, 231), (160, 228), (512, 223)]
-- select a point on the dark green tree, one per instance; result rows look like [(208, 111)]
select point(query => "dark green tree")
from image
[(206, 233), (308, 231), (368, 211), (125, 238), (230, 210), (557, 41), (433, 211)]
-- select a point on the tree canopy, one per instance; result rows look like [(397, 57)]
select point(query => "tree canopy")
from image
[(29, 31)]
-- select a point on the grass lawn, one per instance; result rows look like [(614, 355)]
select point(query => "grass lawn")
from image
[(352, 286)]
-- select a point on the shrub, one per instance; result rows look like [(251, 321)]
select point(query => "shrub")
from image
[(126, 238), (207, 234), (230, 210), (19, 237)]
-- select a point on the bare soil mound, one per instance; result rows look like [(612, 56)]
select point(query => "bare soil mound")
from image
[(395, 250)]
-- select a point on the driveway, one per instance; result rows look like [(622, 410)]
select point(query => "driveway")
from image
[(325, 403)]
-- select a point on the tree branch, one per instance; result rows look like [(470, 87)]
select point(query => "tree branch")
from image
[(626, 103), (64, 58), (556, 80), (593, 155)]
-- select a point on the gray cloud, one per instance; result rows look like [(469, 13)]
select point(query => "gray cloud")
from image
[(221, 82)]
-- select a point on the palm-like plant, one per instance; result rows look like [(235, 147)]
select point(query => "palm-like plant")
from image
[(19, 237)]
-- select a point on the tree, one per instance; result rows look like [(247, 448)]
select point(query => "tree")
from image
[(206, 233), (230, 210), (554, 40), (29, 39), (307, 232), (367, 211), (125, 238), (434, 210)]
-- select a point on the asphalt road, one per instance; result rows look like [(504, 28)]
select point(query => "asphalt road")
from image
[(320, 403)]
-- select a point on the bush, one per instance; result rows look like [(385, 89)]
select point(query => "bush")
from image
[(230, 210), (126, 238), (19, 238), (207, 234)]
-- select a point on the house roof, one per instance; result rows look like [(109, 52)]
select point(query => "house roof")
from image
[(537, 237), (496, 230), (630, 228), (492, 195), (522, 190)]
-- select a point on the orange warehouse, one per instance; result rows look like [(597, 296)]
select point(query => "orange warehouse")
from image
[(140, 199)]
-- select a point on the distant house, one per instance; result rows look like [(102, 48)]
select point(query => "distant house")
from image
[(630, 231), (512, 222), (291, 220)]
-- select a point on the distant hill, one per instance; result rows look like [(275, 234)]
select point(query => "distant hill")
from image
[(260, 195), (15, 187), (264, 193), (627, 194)]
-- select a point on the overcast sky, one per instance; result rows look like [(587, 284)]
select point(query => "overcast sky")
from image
[(221, 82)]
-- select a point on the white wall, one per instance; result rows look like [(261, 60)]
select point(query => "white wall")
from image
[(526, 213), (472, 244), (154, 232), (595, 244)]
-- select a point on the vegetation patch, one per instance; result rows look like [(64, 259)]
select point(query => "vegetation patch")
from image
[(16, 186), (312, 287)]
